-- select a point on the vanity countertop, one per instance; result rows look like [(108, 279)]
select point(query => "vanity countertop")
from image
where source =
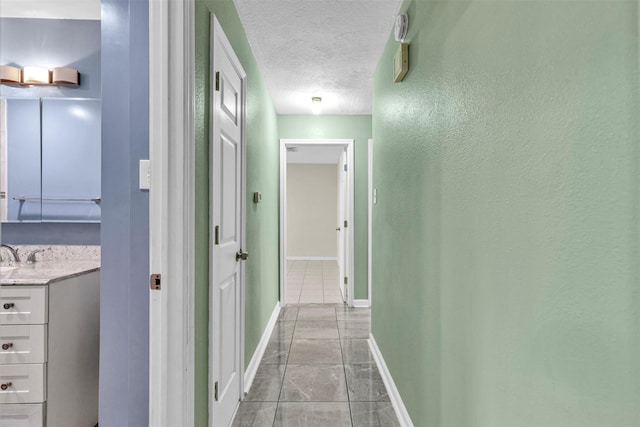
[(45, 272)]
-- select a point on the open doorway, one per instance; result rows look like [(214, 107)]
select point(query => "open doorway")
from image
[(316, 222)]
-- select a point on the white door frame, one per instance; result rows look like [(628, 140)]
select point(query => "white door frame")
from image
[(218, 33), (284, 143), (171, 211), (370, 217)]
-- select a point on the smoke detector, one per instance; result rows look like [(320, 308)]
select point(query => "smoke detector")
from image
[(402, 27)]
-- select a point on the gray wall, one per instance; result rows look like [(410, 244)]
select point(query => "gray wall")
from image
[(124, 295)]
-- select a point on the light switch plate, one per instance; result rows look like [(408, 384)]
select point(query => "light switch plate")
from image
[(145, 175)]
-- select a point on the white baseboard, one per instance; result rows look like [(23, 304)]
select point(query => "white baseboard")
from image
[(361, 303), (311, 258), (250, 372), (394, 394)]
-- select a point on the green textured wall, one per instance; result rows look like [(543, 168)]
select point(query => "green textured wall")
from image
[(357, 127), (262, 270), (507, 224)]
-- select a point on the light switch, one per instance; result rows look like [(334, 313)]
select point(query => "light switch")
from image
[(145, 175), (375, 196)]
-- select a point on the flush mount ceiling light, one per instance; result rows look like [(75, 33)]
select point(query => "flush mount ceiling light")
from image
[(316, 104), (402, 26)]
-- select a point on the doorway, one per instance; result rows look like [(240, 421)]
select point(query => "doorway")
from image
[(316, 221)]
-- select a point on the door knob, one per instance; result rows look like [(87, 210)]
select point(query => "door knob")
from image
[(7, 346), (242, 255), (5, 386), (8, 305)]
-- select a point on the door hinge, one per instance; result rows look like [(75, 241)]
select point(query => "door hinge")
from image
[(217, 81), (155, 282), (346, 168), (346, 224), (217, 235), (346, 280), (215, 391)]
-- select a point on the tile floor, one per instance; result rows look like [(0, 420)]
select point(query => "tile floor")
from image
[(318, 371), (313, 282)]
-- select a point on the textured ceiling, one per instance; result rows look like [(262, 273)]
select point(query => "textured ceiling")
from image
[(50, 9), (325, 48)]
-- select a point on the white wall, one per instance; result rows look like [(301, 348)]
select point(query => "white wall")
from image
[(312, 206)]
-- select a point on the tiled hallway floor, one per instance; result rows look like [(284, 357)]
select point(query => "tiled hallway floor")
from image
[(318, 371), (313, 282)]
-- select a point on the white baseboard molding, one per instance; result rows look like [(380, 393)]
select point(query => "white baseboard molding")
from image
[(394, 395), (361, 303), (311, 258), (250, 372)]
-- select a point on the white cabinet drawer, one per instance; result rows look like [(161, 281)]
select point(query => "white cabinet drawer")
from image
[(22, 383), (23, 344), (27, 415), (21, 305)]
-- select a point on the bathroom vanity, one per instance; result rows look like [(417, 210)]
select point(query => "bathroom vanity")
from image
[(49, 344)]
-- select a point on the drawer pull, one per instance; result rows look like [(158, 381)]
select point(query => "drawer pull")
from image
[(5, 386), (8, 305), (7, 346)]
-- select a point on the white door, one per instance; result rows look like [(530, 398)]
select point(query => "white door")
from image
[(342, 217), (227, 226)]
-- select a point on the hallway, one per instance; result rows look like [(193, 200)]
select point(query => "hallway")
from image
[(318, 371), (313, 282)]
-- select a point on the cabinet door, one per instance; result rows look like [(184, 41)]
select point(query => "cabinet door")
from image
[(23, 160), (71, 160), (23, 344), (30, 415), (22, 383), (20, 305)]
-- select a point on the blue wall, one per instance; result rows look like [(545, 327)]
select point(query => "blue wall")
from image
[(52, 43), (124, 295)]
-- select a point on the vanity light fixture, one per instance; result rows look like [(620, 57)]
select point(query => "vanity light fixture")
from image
[(35, 76), (316, 104), (29, 76), (65, 76), (9, 74)]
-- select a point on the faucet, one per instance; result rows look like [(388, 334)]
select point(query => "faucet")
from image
[(32, 256), (13, 252)]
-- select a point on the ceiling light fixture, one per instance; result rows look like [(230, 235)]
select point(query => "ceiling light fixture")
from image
[(316, 104)]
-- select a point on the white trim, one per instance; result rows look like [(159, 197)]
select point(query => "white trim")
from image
[(349, 144), (254, 363), (311, 258), (392, 390), (171, 211), (370, 219), (361, 303)]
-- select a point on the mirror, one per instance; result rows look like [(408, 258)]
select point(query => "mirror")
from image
[(50, 159)]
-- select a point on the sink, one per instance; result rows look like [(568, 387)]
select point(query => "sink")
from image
[(4, 269)]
